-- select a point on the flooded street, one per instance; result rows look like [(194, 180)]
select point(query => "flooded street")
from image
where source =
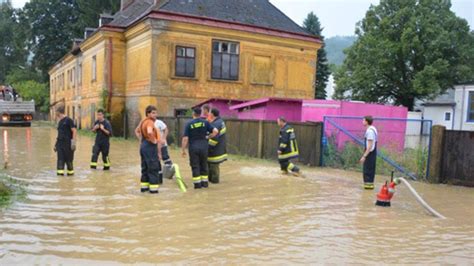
[(254, 216)]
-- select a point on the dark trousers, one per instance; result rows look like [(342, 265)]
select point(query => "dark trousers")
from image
[(150, 165), (369, 169), (286, 165), (65, 158), (198, 162), (96, 150), (165, 156), (214, 173)]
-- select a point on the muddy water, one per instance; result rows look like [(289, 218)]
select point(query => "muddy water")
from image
[(254, 216)]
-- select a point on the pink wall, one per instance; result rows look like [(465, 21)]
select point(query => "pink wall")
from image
[(315, 110), (256, 113), (391, 133), (290, 110), (271, 110)]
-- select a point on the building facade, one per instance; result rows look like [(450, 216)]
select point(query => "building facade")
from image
[(453, 109), (175, 54)]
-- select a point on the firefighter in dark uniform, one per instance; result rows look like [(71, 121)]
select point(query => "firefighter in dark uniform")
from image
[(103, 130), (197, 133), (65, 143), (217, 146), (150, 143), (288, 147)]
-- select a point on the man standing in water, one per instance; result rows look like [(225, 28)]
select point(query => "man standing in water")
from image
[(217, 146), (167, 169), (103, 131), (288, 147), (150, 142), (196, 135), (369, 158), (65, 143)]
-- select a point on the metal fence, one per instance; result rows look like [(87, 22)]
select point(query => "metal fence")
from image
[(403, 144)]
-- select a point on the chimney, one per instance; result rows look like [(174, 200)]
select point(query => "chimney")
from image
[(105, 19), (125, 3), (76, 49), (88, 32), (76, 42)]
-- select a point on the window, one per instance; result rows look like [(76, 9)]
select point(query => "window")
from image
[(470, 107), (73, 74), (185, 62), (79, 75), (94, 68), (225, 60), (447, 116)]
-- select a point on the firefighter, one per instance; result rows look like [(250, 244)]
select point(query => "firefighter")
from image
[(288, 148), (217, 147), (150, 143), (103, 130), (167, 169), (369, 158), (65, 143), (196, 134)]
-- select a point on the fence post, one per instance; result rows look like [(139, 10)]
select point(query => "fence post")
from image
[(436, 153), (260, 140)]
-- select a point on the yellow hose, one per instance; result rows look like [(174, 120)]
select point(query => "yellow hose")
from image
[(179, 180)]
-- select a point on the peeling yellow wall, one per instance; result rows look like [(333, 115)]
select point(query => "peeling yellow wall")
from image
[(143, 70)]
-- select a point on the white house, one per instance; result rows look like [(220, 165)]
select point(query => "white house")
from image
[(464, 111), (454, 109)]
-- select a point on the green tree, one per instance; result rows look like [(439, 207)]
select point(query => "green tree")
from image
[(406, 50), (12, 52), (53, 26), (313, 26), (27, 83)]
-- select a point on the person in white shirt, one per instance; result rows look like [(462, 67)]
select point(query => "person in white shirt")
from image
[(168, 169), (369, 158)]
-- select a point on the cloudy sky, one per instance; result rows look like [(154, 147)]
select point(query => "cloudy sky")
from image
[(338, 17)]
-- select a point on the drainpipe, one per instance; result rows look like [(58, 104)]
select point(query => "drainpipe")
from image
[(462, 107), (454, 115), (109, 100)]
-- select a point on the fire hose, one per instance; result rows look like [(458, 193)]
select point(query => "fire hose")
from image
[(419, 198)]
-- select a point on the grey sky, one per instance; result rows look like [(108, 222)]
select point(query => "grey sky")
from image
[(338, 17)]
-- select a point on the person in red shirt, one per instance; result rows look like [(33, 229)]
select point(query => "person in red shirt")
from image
[(150, 140)]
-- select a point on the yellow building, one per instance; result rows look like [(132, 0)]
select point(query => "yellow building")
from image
[(176, 53)]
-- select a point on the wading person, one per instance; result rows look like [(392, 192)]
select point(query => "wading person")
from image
[(217, 146), (288, 147), (103, 130), (65, 143), (150, 138), (369, 158), (196, 134), (167, 170)]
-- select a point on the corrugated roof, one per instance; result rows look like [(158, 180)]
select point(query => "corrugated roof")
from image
[(259, 13)]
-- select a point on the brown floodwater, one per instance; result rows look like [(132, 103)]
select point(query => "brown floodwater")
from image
[(254, 216)]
